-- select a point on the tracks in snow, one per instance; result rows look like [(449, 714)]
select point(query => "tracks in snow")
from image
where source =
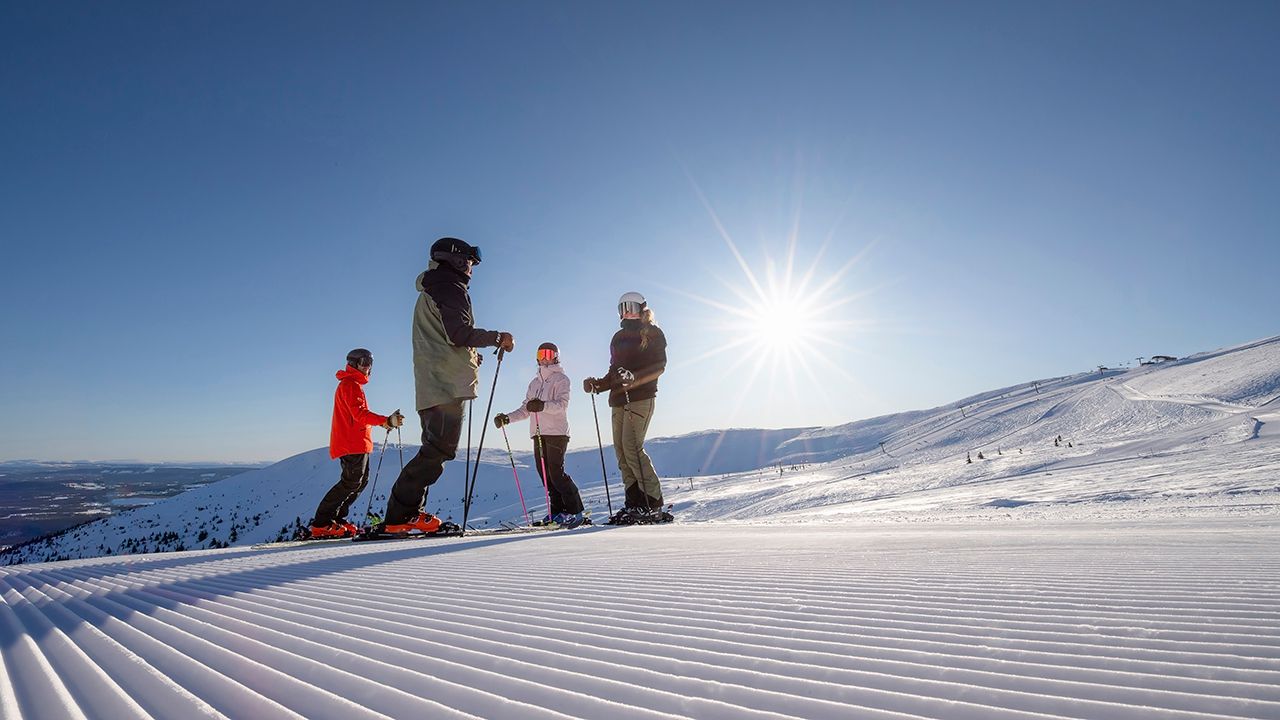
[(697, 621)]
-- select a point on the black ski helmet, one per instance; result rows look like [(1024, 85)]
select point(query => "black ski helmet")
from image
[(447, 248), (360, 358)]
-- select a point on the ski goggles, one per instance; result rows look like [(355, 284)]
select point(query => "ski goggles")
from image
[(630, 308), (548, 355)]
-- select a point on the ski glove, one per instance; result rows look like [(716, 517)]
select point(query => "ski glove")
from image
[(535, 405), (394, 420), (506, 342), (625, 376), (589, 385), (500, 419)]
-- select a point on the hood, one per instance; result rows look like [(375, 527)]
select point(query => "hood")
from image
[(435, 267), (548, 371), (350, 373)]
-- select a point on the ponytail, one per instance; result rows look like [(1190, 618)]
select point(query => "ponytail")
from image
[(647, 321)]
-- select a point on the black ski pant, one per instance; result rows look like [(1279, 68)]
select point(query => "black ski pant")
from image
[(560, 487), (337, 502), (441, 430)]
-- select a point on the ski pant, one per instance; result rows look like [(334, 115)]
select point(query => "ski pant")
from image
[(441, 430), (630, 423), (337, 502), (548, 457)]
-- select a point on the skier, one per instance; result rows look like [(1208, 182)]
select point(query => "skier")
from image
[(445, 372), (638, 356), (350, 441), (547, 402)]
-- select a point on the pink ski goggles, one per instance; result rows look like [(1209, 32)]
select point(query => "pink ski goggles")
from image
[(547, 355)]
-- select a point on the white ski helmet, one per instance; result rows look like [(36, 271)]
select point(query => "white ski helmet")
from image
[(631, 303)]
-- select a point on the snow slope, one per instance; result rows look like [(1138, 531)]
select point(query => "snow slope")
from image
[(1131, 570), (958, 621)]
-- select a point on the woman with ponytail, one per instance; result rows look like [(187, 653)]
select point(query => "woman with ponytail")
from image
[(637, 357)]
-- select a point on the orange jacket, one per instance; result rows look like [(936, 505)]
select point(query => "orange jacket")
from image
[(350, 434)]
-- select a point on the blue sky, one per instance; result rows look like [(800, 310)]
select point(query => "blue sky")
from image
[(203, 206)]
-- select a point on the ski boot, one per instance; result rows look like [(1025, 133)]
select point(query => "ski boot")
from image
[(332, 530), (424, 524), (568, 521)]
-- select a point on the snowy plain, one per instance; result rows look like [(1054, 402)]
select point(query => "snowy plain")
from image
[(1129, 570)]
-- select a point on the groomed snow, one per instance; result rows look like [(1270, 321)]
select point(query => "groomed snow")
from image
[(957, 621)]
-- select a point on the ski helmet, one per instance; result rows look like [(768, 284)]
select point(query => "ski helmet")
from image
[(548, 354), (631, 303), (360, 358), (447, 246)]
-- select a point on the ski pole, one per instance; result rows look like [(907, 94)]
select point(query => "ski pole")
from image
[(467, 473), (374, 486), (542, 458), (604, 474), (475, 471), (511, 456)]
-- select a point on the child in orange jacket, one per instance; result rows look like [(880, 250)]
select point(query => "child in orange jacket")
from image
[(350, 440)]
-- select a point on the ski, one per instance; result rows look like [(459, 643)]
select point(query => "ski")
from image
[(299, 542)]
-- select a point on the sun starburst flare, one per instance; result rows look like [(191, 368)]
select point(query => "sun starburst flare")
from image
[(781, 324)]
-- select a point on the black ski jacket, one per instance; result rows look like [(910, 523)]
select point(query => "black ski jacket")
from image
[(646, 363), (448, 288)]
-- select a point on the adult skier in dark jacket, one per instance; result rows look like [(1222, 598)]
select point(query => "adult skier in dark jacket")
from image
[(638, 356), (445, 372)]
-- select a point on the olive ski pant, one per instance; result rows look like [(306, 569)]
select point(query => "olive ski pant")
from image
[(630, 423)]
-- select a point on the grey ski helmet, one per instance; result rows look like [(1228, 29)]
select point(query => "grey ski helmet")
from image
[(631, 303), (360, 358)]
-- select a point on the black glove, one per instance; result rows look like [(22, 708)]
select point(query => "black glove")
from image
[(534, 405), (500, 419), (506, 341), (589, 385)]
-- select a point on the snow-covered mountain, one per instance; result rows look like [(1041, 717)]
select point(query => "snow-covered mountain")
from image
[(1112, 553), (1206, 414)]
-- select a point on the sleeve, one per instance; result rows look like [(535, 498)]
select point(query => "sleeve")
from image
[(455, 310), (354, 401)]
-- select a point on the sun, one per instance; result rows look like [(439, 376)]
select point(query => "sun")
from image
[(780, 323), (783, 319)]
